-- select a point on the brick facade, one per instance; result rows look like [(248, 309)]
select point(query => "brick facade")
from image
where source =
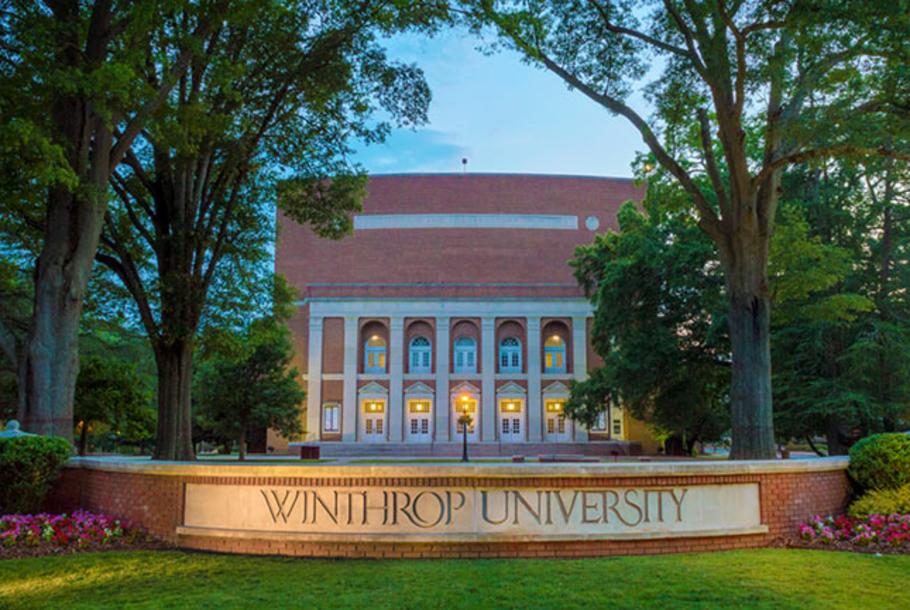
[(156, 502)]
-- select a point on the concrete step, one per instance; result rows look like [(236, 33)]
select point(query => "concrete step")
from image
[(591, 448)]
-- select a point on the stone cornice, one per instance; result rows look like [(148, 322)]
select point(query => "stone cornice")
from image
[(478, 470)]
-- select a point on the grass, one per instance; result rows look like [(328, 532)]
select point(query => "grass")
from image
[(766, 578)]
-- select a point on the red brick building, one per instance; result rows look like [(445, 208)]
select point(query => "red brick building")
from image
[(453, 295)]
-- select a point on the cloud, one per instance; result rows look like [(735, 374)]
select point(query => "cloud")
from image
[(424, 150)]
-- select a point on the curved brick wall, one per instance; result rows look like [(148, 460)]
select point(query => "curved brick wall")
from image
[(153, 495)]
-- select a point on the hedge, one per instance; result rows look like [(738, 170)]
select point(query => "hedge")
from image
[(881, 461), (882, 502), (28, 467)]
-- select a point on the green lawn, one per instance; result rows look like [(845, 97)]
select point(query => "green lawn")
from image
[(741, 579)]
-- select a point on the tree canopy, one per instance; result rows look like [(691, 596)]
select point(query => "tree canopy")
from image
[(740, 91), (266, 114)]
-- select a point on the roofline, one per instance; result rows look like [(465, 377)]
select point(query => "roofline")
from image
[(499, 174)]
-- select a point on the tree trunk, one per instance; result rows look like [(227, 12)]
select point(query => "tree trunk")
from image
[(750, 331), (833, 434), (72, 229), (51, 359), (241, 443), (175, 423)]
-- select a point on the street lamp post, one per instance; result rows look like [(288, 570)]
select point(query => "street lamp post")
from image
[(465, 421)]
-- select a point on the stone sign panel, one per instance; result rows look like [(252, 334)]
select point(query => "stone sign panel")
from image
[(564, 513)]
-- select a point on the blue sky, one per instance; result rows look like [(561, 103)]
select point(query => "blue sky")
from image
[(503, 115)]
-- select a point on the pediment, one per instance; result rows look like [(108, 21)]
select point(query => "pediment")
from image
[(557, 388), (511, 388), (373, 388), (419, 387), (465, 388)]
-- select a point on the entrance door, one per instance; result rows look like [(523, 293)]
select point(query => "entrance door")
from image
[(419, 414), (557, 429), (465, 405), (373, 430), (511, 428)]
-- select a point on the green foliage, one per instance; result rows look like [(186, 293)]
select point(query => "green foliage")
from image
[(28, 467), (881, 461), (842, 353), (802, 269), (882, 502), (110, 392), (659, 322), (244, 383)]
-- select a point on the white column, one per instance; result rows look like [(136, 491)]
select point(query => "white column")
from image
[(314, 379), (349, 402), (442, 408), (488, 379), (535, 427), (396, 379), (580, 361)]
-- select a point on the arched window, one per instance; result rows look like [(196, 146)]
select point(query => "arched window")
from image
[(420, 355), (554, 355), (374, 355), (510, 355), (465, 355)]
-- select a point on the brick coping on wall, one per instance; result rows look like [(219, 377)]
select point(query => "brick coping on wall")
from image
[(153, 494), (478, 469)]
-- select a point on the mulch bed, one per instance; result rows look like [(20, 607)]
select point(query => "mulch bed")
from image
[(45, 549), (843, 545)]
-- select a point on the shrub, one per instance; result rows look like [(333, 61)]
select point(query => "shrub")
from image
[(28, 467), (882, 502), (881, 461)]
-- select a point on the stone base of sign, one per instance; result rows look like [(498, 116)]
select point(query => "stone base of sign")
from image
[(761, 504)]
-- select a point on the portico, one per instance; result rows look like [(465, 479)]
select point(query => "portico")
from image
[(409, 368)]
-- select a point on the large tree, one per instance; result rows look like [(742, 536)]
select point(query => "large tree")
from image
[(266, 112), (763, 84), (659, 322), (70, 85), (842, 355), (660, 317)]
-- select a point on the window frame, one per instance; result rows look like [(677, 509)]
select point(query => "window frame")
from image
[(555, 352), (380, 351), (510, 353), (468, 350), (416, 353), (335, 408)]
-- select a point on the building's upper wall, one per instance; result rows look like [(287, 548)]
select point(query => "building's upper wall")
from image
[(473, 235)]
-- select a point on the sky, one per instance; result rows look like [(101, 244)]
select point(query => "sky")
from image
[(502, 115)]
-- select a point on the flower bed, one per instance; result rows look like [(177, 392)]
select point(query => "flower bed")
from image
[(45, 533), (877, 533)]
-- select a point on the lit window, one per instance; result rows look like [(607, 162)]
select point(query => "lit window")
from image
[(330, 416), (554, 355), (420, 357), (419, 406), (510, 355), (465, 355), (600, 424), (374, 406), (374, 355)]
